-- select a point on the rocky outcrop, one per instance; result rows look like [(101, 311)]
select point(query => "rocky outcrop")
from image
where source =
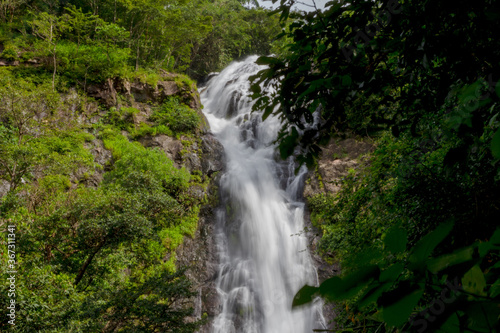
[(142, 92), (202, 155), (199, 254), (336, 159), (141, 95)]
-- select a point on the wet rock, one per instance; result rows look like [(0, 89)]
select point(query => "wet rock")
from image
[(234, 100), (192, 162), (213, 156), (199, 254), (171, 146), (102, 156)]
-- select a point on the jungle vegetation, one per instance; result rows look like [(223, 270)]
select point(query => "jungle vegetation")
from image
[(415, 230), (95, 242)]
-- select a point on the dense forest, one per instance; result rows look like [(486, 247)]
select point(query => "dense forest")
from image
[(414, 228), (92, 237)]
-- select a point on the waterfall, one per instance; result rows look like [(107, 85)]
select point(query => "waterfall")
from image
[(264, 259)]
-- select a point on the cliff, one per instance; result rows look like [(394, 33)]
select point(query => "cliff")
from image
[(116, 190)]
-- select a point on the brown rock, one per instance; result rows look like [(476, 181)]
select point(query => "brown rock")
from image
[(337, 158), (167, 88), (213, 156), (171, 146), (105, 93)]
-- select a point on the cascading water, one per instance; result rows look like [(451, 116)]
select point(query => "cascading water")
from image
[(263, 252)]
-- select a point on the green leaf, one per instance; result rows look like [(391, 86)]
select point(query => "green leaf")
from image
[(337, 288), (304, 295), (428, 243), (483, 316), (287, 145), (448, 260), (495, 145), (346, 80), (469, 91), (399, 312), (493, 243), (267, 112), (263, 60), (495, 239), (474, 281), (396, 239), (451, 325), (368, 256), (392, 273), (495, 289), (373, 294)]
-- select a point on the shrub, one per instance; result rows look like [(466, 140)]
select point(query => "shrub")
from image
[(133, 157), (177, 116), (27, 56), (10, 53)]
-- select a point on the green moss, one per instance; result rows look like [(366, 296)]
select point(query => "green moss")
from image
[(320, 179), (144, 75)]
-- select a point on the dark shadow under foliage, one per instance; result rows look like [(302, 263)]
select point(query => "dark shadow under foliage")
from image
[(421, 78)]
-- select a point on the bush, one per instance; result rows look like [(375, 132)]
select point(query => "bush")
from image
[(133, 157), (177, 116), (27, 56), (9, 53), (92, 63)]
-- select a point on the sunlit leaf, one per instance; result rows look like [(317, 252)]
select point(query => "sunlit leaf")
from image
[(448, 260), (337, 288), (474, 281)]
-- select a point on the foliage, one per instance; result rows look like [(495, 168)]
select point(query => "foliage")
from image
[(9, 53), (455, 287), (177, 116), (90, 41), (237, 31), (29, 141), (397, 71), (403, 71), (133, 157), (96, 244), (90, 258)]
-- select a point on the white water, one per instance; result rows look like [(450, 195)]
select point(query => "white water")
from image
[(263, 252)]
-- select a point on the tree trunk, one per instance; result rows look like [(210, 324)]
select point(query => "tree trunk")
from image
[(54, 73), (137, 57), (87, 263)]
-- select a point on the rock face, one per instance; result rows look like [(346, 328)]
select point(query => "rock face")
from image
[(138, 94), (199, 254), (337, 158), (202, 155)]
